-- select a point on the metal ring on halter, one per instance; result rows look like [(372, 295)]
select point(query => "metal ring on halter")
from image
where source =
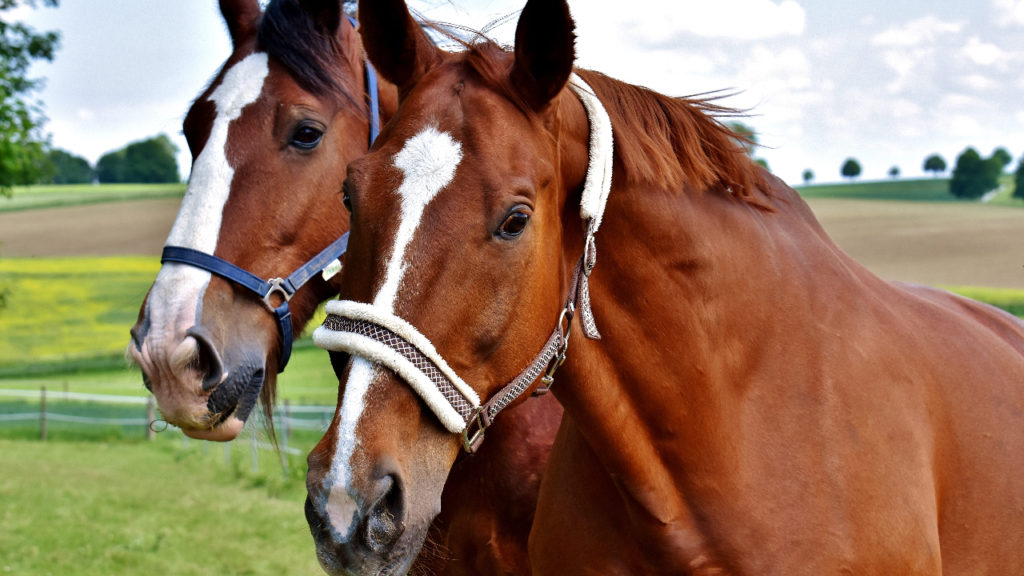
[(276, 285), (473, 434)]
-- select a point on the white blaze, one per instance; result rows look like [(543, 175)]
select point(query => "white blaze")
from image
[(176, 293), (428, 162)]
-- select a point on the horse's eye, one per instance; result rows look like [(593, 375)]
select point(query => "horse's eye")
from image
[(514, 224), (307, 137), (346, 196)]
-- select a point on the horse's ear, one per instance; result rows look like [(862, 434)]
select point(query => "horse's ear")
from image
[(395, 44), (242, 18), (327, 14), (545, 51)]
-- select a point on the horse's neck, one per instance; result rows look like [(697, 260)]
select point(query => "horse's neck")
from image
[(687, 294)]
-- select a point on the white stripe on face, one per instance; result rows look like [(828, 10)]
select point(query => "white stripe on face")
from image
[(428, 162), (178, 288)]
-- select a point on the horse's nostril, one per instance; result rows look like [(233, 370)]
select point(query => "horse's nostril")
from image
[(208, 361), (386, 519)]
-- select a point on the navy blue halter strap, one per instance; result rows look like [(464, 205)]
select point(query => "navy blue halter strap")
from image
[(264, 289), (371, 90), (285, 287)]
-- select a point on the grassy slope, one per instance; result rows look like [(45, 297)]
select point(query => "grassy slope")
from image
[(88, 509), (28, 198), (907, 190)]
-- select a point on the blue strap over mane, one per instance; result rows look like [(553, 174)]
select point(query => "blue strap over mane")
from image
[(371, 91)]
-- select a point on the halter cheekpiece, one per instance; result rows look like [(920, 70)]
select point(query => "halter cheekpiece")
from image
[(377, 335)]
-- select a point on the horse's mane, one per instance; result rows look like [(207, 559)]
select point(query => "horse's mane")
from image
[(314, 58), (661, 141)]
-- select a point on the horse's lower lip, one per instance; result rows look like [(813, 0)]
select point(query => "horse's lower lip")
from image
[(224, 432)]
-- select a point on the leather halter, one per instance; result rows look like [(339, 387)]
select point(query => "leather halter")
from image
[(383, 338), (284, 287)]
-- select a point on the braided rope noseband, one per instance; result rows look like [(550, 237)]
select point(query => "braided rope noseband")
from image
[(383, 338)]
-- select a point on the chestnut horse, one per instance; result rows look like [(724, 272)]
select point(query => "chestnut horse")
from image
[(270, 139), (741, 397)]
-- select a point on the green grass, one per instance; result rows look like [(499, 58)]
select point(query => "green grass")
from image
[(309, 378), (919, 190), (904, 190), (31, 197), (1008, 299), (94, 508)]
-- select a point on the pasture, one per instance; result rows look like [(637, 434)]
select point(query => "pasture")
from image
[(73, 508), (118, 505)]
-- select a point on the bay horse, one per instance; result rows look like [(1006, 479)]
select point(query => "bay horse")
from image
[(270, 138), (740, 396)]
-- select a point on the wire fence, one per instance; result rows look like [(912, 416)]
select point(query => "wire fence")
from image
[(136, 415)]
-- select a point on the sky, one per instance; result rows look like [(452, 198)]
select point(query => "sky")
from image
[(885, 82)]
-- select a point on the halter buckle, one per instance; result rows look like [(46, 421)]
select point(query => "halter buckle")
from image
[(276, 285), (559, 358), (473, 433)]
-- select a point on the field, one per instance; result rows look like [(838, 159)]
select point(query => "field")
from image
[(104, 501), (96, 509)]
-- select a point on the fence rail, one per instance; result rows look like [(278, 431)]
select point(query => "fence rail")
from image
[(286, 416)]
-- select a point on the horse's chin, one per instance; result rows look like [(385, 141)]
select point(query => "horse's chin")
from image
[(223, 415), (225, 432)]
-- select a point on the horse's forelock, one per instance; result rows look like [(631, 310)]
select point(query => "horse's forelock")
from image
[(290, 35)]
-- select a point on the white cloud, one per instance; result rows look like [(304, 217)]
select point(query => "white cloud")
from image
[(925, 30), (1020, 117), (1009, 12), (979, 82), (910, 49), (982, 53)]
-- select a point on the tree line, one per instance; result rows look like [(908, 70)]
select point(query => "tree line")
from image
[(973, 176), (148, 161)]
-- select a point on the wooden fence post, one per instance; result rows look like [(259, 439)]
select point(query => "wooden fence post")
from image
[(42, 413)]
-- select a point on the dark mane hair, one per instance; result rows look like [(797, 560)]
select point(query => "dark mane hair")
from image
[(289, 34), (673, 142)]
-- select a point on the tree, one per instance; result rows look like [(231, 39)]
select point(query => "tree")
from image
[(1003, 157), (808, 176), (851, 168), (934, 164), (1018, 180), (111, 167), (146, 161), (894, 172), (68, 168), (746, 137), (974, 176), (22, 156)]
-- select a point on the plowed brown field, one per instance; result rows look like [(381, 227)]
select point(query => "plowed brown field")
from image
[(959, 244)]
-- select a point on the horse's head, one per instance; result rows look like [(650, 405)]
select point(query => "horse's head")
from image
[(270, 138), (456, 251)]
